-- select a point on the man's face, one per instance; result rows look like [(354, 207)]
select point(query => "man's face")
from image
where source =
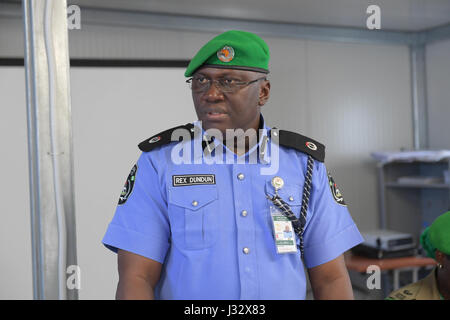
[(238, 110)]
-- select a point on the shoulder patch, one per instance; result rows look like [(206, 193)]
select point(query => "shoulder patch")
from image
[(163, 138), (301, 143), (128, 187), (337, 195)]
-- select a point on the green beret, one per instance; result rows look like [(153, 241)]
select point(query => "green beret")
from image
[(232, 50), (437, 236)]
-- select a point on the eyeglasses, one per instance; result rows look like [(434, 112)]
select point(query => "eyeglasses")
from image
[(226, 85)]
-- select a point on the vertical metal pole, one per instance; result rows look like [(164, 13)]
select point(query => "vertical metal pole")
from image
[(419, 96), (33, 169), (381, 196), (49, 147)]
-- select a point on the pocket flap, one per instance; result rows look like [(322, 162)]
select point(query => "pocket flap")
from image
[(192, 197), (290, 193)]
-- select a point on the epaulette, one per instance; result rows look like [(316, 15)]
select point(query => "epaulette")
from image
[(301, 143), (406, 293), (163, 138)]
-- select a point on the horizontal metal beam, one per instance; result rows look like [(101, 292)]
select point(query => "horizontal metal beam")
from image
[(205, 24), (115, 63), (136, 19), (437, 34)]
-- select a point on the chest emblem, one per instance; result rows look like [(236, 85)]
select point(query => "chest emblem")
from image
[(277, 183)]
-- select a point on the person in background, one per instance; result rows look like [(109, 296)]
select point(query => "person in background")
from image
[(436, 286)]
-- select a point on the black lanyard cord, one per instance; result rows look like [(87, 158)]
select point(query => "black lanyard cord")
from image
[(298, 224), (305, 199)]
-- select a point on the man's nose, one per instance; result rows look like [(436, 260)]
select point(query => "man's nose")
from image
[(213, 93)]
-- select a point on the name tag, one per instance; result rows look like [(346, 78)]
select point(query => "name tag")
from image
[(193, 179), (283, 232)]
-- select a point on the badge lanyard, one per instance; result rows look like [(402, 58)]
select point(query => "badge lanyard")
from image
[(285, 210)]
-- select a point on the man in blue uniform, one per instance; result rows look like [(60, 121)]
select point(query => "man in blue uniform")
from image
[(199, 213)]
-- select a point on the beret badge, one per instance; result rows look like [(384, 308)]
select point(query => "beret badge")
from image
[(226, 54)]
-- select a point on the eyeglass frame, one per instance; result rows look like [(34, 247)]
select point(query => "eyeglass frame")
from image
[(239, 85)]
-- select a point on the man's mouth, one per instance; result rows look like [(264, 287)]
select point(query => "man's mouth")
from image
[(215, 115)]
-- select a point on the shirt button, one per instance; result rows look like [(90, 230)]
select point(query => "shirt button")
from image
[(194, 203), (241, 176), (244, 213), (246, 250), (291, 198)]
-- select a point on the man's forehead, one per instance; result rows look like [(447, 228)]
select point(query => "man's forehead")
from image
[(212, 71)]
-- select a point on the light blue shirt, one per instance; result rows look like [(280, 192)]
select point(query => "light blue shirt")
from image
[(209, 248)]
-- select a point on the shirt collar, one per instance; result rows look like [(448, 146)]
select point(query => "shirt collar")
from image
[(209, 144), (429, 289)]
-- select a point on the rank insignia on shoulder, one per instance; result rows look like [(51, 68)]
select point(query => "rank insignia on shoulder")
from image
[(299, 142), (154, 139), (400, 296), (337, 195), (163, 138), (409, 293)]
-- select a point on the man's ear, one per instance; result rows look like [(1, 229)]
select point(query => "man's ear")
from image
[(439, 257), (264, 93)]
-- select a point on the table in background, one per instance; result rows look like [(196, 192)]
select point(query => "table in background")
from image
[(394, 265)]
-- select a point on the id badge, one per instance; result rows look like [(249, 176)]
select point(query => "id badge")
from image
[(284, 234)]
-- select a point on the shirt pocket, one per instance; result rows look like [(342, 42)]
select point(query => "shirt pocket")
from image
[(289, 193), (193, 214)]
